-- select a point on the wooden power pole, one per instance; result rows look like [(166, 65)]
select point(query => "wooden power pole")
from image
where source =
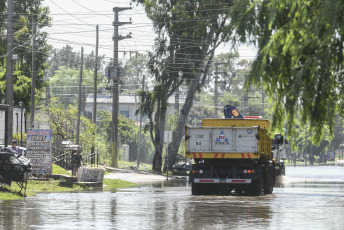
[(79, 97), (34, 74), (116, 79), (9, 74), (94, 117)]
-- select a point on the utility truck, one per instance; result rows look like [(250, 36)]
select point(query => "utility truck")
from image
[(280, 146), (231, 155)]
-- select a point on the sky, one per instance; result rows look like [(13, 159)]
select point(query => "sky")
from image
[(74, 23)]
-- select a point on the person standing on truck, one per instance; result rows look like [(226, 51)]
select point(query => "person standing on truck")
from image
[(77, 158)]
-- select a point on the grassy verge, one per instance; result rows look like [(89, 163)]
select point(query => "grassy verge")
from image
[(58, 170), (115, 183), (36, 186), (133, 164)]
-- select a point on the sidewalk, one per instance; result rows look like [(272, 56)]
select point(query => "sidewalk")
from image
[(134, 176)]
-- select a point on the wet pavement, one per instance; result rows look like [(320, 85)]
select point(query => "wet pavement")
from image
[(307, 198)]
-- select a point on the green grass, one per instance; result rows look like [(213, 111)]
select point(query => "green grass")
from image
[(37, 186), (115, 183), (7, 194), (59, 170), (33, 187)]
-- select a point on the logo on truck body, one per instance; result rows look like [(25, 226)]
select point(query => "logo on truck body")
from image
[(222, 139)]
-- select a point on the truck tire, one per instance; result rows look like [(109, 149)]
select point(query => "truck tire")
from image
[(268, 179), (256, 187), (283, 169), (194, 189)]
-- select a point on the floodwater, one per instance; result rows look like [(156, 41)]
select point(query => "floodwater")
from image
[(306, 198)]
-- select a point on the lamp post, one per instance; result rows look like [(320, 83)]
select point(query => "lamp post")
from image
[(21, 123)]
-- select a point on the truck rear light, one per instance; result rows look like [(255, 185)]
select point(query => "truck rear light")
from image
[(197, 171), (249, 171)]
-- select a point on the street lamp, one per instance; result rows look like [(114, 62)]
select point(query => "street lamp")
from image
[(21, 123)]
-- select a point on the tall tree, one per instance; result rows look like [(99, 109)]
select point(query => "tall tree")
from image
[(300, 58), (65, 80), (188, 33), (135, 68), (25, 11), (70, 59)]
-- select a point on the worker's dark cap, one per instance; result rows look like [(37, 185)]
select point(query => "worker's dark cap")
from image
[(14, 141)]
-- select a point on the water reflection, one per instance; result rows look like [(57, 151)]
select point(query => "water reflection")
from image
[(302, 200)]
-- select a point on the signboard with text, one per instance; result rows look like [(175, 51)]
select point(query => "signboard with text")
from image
[(86, 174), (39, 150)]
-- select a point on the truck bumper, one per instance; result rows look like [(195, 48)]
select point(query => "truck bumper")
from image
[(225, 181)]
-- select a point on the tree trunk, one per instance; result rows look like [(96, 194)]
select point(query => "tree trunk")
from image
[(159, 136), (184, 113), (179, 132)]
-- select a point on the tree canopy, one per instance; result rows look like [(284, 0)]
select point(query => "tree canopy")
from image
[(300, 58), (188, 32), (25, 11)]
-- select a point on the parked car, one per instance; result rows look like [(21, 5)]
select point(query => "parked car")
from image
[(13, 167)]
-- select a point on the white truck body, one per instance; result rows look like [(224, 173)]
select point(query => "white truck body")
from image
[(222, 139)]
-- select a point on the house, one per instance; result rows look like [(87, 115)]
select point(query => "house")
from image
[(18, 125), (127, 105)]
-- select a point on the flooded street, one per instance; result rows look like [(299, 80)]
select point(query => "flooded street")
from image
[(307, 198)]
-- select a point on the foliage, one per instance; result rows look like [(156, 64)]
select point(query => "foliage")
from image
[(300, 58), (64, 84), (184, 48), (135, 68), (128, 132), (25, 11), (70, 59), (62, 121), (16, 137)]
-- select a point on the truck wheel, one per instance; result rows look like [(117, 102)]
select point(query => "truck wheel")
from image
[(283, 169), (256, 187), (194, 189), (269, 179)]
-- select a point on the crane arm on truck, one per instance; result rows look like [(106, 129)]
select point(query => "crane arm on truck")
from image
[(232, 112)]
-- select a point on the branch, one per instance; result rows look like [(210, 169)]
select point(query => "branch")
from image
[(175, 88), (207, 69)]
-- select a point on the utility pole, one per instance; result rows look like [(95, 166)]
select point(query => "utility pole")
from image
[(216, 85), (79, 98), (9, 74), (262, 103), (115, 94), (34, 73), (47, 94), (140, 129), (305, 152), (94, 118), (176, 101)]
